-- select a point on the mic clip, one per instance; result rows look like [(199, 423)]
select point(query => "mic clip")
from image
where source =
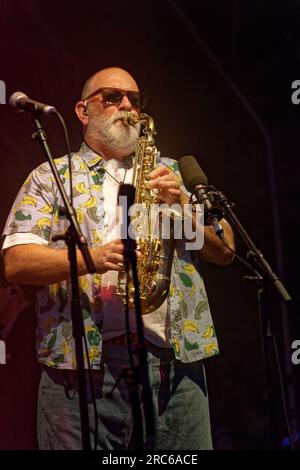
[(213, 211)]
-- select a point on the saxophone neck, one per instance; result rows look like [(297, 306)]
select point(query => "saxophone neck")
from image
[(130, 119)]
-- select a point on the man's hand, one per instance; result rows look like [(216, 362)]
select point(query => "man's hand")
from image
[(167, 183), (109, 257)]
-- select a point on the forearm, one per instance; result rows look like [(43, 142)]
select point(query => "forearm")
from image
[(39, 265), (214, 249)]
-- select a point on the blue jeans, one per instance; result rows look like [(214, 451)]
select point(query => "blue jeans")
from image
[(179, 396)]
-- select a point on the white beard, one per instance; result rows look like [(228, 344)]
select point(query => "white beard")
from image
[(107, 132)]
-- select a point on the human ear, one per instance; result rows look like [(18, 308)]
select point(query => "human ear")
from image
[(81, 111)]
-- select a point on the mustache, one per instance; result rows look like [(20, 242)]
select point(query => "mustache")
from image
[(117, 115)]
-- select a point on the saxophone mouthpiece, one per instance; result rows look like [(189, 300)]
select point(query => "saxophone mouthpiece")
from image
[(130, 119)]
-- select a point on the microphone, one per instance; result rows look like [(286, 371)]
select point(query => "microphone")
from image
[(20, 102), (196, 183)]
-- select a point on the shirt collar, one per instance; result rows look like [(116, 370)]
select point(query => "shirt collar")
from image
[(93, 159), (90, 157)]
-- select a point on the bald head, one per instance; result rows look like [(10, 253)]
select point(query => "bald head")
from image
[(114, 77), (103, 127)]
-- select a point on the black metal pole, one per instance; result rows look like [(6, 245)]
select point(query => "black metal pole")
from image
[(267, 336), (142, 375), (73, 237), (143, 362), (78, 334), (272, 367), (70, 212)]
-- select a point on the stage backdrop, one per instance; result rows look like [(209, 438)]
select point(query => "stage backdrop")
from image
[(47, 50)]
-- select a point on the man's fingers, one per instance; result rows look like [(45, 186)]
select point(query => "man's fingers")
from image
[(115, 258), (166, 177), (164, 181), (115, 246), (160, 171), (165, 185), (175, 192), (118, 249), (112, 266)]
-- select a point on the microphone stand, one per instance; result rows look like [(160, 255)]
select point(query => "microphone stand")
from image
[(141, 375), (265, 274), (72, 237)]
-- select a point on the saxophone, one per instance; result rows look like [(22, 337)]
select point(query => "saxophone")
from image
[(155, 264)]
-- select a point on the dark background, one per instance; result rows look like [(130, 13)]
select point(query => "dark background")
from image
[(218, 75)]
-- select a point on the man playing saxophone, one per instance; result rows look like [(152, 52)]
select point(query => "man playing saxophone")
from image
[(179, 332)]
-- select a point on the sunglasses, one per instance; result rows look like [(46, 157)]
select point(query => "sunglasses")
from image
[(114, 96)]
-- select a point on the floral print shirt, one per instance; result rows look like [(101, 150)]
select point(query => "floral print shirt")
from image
[(36, 211)]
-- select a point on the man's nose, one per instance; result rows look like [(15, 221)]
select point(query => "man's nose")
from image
[(125, 103)]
